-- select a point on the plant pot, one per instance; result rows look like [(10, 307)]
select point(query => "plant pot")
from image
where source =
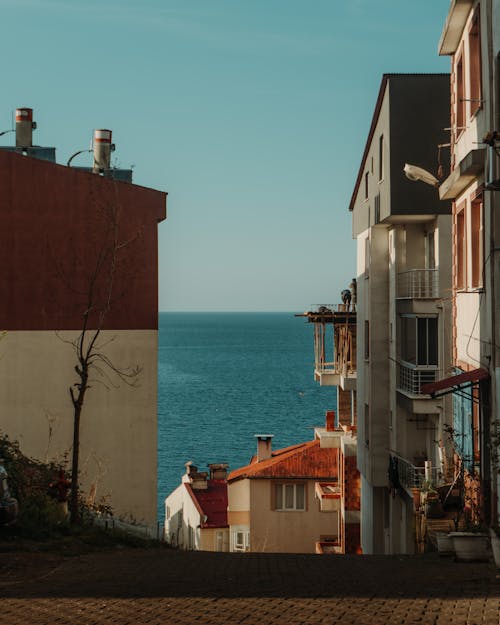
[(495, 547), (445, 544), (471, 547)]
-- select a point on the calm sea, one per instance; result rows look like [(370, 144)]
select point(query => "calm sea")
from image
[(224, 377)]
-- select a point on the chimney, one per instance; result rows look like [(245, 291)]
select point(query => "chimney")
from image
[(264, 446), (199, 480), (330, 421), (102, 150), (24, 127), (218, 471)]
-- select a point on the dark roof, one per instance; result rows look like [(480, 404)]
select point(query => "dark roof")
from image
[(305, 460), (212, 502), (376, 113)]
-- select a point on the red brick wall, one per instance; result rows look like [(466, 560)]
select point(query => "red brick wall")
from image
[(352, 484), (344, 406)]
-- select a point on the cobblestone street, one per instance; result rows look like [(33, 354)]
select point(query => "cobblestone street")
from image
[(157, 586)]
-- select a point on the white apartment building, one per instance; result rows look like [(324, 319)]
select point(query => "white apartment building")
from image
[(403, 234)]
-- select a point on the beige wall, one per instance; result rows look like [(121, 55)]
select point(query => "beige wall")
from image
[(280, 531), (209, 540), (118, 453)]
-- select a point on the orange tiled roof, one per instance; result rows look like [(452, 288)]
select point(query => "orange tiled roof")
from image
[(306, 460)]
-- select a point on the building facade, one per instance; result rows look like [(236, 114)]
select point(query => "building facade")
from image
[(403, 239), (54, 227), (196, 511), (471, 37), (285, 501), (335, 365)]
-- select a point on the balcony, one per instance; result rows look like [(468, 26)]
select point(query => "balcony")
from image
[(329, 495), (418, 284), (334, 345), (411, 378), (411, 476)]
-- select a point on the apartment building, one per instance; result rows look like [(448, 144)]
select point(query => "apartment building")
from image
[(55, 224), (403, 234), (471, 37)]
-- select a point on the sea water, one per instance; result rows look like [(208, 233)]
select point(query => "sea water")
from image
[(223, 377)]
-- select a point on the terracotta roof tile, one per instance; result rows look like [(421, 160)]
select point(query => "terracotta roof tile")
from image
[(306, 460)]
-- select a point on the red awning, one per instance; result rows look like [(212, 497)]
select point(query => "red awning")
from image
[(455, 381)]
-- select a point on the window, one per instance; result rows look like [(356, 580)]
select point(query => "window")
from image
[(241, 540), (430, 251), (290, 497), (366, 425), (419, 341), (460, 96), (367, 340), (461, 249), (367, 256), (477, 253), (377, 208), (381, 157), (475, 64), (366, 185)]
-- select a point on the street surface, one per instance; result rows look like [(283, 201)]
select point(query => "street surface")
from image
[(160, 586)]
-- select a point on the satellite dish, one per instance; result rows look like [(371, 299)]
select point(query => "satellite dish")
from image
[(412, 172)]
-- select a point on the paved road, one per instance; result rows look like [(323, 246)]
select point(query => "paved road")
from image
[(159, 586)]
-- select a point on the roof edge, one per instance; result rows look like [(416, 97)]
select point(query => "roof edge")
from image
[(378, 105)]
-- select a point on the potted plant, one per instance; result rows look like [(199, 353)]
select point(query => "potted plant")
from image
[(473, 543)]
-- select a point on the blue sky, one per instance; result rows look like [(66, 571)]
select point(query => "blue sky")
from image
[(252, 114)]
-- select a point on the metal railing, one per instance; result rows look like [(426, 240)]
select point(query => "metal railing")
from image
[(418, 284), (411, 476), (411, 378)]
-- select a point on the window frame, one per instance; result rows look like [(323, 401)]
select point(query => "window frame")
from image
[(417, 342), (474, 68), (477, 242), (461, 246), (460, 94), (280, 500)]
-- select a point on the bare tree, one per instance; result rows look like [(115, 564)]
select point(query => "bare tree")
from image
[(105, 282)]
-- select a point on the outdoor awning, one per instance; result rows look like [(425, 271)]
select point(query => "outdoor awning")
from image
[(454, 382)]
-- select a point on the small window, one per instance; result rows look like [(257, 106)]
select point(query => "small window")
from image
[(381, 157), (430, 251), (477, 254), (377, 208), (367, 340), (460, 96), (241, 541), (366, 425), (475, 64), (461, 248), (366, 186), (290, 497)]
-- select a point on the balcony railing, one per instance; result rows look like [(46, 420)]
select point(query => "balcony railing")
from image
[(418, 284), (411, 378), (411, 476)]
